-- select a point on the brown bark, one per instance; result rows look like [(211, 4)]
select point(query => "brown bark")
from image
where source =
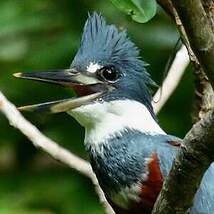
[(191, 162), (199, 32), (195, 23)]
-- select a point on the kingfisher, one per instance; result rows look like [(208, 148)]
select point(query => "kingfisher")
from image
[(128, 150)]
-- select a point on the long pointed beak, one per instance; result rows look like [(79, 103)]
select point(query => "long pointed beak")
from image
[(60, 105), (65, 77), (88, 88)]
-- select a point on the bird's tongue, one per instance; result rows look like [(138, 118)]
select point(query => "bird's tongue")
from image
[(83, 90)]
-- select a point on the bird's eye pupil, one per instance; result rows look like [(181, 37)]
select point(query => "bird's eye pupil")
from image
[(109, 73)]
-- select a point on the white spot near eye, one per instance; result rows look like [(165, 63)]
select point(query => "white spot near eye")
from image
[(93, 67)]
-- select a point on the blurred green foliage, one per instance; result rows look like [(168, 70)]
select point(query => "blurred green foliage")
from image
[(45, 34)]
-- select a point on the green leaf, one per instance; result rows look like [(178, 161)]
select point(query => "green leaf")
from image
[(140, 10), (13, 49)]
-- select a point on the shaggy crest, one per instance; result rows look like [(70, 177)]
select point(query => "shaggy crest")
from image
[(104, 44), (101, 42)]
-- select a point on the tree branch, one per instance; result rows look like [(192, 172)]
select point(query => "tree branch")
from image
[(204, 96), (204, 101), (209, 8), (167, 6), (172, 80), (42, 142), (199, 32), (192, 160)]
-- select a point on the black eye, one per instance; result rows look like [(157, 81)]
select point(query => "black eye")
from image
[(108, 73)]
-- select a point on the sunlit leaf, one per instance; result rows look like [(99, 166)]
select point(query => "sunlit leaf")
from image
[(140, 10)]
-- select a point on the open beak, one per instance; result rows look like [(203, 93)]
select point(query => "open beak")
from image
[(87, 88)]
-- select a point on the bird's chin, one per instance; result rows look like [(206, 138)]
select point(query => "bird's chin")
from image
[(86, 93)]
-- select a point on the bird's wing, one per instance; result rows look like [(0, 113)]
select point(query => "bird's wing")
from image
[(204, 198)]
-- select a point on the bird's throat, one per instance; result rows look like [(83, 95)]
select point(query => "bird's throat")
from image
[(102, 120)]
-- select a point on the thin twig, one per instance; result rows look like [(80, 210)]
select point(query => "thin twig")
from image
[(172, 80), (39, 140)]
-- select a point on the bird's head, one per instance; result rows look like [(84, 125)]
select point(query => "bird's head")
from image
[(106, 69)]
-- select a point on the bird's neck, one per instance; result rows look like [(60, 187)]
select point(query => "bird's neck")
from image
[(103, 120)]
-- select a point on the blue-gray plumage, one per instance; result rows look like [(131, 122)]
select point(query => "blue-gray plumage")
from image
[(122, 161), (130, 154)]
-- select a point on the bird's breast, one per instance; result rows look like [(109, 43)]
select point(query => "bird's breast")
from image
[(143, 194), (131, 168)]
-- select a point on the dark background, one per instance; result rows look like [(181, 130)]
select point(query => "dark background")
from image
[(45, 34)]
